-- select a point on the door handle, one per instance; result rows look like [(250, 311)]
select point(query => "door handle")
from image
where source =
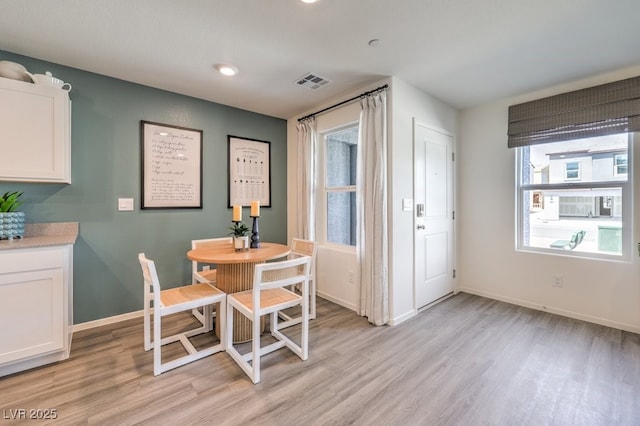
[(421, 227)]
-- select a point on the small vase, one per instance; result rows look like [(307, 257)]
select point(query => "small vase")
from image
[(241, 243), (11, 225)]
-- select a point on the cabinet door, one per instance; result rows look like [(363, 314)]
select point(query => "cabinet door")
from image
[(34, 133), (32, 314)]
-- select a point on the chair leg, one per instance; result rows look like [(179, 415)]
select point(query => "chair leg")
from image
[(147, 325), (255, 345), (229, 326), (221, 317), (157, 344), (304, 343), (312, 301)]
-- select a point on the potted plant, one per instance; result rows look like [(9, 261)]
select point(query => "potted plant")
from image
[(240, 238), (11, 221)]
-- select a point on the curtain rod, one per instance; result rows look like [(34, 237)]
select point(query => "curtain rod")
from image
[(362, 95)]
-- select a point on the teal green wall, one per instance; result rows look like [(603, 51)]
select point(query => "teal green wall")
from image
[(106, 116)]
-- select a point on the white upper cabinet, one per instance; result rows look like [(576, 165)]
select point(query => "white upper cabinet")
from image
[(35, 133)]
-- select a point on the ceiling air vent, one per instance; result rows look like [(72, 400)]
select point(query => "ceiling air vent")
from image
[(312, 81)]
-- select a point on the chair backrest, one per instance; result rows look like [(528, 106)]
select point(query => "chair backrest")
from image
[(208, 242), (281, 274), (151, 282), (576, 239), (303, 247), (300, 247)]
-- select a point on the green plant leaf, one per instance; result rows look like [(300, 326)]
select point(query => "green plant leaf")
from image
[(9, 201)]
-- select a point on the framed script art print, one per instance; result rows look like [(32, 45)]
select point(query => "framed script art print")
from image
[(249, 166), (171, 167)]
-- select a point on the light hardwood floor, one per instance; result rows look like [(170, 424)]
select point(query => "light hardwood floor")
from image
[(466, 361)]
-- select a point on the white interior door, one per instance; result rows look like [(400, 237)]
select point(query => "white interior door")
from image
[(433, 210)]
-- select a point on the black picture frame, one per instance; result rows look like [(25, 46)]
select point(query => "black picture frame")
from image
[(170, 166), (248, 171)]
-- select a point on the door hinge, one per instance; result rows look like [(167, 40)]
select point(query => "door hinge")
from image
[(453, 156), (454, 273), (453, 215)]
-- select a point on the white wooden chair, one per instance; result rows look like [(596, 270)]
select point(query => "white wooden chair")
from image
[(300, 247), (269, 296), (204, 274), (170, 301)]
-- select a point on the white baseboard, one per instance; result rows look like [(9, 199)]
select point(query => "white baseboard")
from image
[(553, 310), (340, 302), (402, 318), (106, 321)]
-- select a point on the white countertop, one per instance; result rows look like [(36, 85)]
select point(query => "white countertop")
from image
[(43, 235)]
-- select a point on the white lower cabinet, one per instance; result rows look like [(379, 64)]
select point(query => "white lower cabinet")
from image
[(36, 304)]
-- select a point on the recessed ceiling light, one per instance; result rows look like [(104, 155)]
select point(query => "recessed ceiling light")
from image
[(376, 42), (228, 70), (309, 1)]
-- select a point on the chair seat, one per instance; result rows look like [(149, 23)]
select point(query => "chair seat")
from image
[(269, 299), (207, 275), (187, 293), (560, 244)]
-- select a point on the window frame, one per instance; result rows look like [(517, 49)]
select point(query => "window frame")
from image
[(626, 188), (348, 119), (577, 170), (616, 166)]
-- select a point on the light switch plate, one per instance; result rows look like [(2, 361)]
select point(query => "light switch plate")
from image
[(407, 204), (125, 204)]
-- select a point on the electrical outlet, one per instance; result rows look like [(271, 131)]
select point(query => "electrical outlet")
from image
[(558, 281)]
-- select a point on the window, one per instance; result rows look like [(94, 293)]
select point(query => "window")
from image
[(574, 196), (572, 151), (620, 164), (340, 154), (572, 170)]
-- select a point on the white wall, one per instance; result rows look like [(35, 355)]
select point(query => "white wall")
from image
[(598, 291), (404, 104), (407, 103)]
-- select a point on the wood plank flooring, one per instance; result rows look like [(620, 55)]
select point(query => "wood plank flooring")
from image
[(466, 361)]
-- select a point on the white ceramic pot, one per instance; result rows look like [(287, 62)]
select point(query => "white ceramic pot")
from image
[(241, 243), (48, 79), (14, 71)]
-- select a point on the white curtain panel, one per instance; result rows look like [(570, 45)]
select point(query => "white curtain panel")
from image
[(307, 148), (371, 201)]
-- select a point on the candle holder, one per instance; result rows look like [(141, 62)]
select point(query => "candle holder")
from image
[(255, 233)]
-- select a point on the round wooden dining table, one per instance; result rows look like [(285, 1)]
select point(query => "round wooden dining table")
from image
[(235, 273)]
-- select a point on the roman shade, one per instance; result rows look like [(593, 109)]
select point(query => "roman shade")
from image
[(597, 111)]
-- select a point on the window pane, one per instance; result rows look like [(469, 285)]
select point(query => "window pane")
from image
[(620, 164), (341, 217), (571, 195), (572, 169), (600, 159), (341, 157), (576, 220)]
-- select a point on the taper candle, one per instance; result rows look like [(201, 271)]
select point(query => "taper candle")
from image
[(255, 208), (237, 214)]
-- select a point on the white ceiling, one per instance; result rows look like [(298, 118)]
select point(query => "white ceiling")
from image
[(464, 52)]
